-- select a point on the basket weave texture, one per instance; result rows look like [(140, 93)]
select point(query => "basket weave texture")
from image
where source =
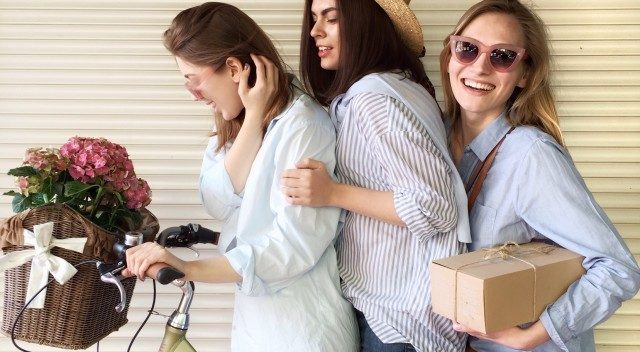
[(81, 312)]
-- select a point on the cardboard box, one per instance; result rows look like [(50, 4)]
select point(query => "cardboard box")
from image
[(488, 293)]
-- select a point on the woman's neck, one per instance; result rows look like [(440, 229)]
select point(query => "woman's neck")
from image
[(471, 125)]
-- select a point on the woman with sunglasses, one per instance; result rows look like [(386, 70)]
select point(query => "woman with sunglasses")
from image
[(405, 202), (495, 71), (280, 255)]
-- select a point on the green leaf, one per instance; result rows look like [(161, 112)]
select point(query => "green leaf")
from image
[(38, 199), (49, 187), (76, 188), (21, 203), (10, 193), (23, 171)]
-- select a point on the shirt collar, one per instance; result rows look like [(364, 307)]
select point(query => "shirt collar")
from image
[(489, 137), (296, 86)]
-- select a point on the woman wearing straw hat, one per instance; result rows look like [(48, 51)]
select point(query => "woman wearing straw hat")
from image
[(405, 204)]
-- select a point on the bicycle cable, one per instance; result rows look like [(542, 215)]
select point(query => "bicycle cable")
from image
[(153, 304), (15, 322)]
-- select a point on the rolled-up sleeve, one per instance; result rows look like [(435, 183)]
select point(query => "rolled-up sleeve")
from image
[(216, 190), (414, 170), (553, 199), (299, 235)]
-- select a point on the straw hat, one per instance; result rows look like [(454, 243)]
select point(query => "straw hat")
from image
[(406, 23)]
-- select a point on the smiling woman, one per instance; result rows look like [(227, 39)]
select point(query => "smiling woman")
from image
[(503, 119), (97, 68)]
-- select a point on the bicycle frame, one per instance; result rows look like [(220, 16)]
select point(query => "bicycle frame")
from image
[(175, 339)]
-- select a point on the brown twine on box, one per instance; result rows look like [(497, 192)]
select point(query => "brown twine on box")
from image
[(507, 250)]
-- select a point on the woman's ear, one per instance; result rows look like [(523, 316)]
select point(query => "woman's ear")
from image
[(523, 81), (234, 67)]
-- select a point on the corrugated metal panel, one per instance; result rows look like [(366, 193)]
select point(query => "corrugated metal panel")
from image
[(98, 68)]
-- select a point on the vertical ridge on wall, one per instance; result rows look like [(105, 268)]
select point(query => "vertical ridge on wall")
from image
[(98, 68)]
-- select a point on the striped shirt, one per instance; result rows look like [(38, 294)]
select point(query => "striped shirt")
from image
[(382, 145)]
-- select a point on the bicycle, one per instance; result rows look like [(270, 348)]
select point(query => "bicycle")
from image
[(174, 339)]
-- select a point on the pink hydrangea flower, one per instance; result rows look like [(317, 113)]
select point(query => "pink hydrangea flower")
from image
[(138, 194), (28, 185), (94, 157), (48, 159), (94, 161)]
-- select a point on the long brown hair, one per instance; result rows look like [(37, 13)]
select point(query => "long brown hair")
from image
[(368, 43), (208, 34), (532, 105)]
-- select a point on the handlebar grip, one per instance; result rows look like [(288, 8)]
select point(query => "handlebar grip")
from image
[(205, 235), (164, 273), (186, 236)]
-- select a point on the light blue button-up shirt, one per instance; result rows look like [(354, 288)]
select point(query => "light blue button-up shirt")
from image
[(290, 297), (533, 191)]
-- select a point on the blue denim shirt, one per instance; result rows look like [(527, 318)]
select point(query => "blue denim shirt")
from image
[(533, 191)]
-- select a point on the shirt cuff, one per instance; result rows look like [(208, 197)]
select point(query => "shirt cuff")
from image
[(410, 213), (243, 262), (556, 328)]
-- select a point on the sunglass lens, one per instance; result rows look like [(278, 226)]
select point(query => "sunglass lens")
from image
[(466, 52), (502, 59)]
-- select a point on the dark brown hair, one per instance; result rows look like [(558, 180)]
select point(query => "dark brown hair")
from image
[(368, 43), (532, 105), (208, 34)]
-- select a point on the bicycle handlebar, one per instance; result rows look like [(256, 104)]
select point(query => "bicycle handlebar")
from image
[(186, 236), (164, 273)]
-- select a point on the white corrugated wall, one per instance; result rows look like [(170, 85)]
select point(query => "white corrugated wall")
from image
[(98, 68)]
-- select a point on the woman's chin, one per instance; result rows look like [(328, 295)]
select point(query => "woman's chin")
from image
[(226, 116)]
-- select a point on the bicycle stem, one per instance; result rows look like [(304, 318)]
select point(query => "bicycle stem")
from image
[(180, 317)]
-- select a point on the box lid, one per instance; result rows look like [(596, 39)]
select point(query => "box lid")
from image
[(481, 264)]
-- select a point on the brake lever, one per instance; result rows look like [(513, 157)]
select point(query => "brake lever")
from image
[(111, 272), (116, 280)]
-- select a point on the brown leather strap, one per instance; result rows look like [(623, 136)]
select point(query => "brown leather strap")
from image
[(484, 170)]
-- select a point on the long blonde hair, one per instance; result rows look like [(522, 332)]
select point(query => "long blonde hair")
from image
[(532, 105)]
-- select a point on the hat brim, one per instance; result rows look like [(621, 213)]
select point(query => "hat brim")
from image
[(405, 22)]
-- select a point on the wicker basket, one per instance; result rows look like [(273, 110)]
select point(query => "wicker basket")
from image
[(81, 312)]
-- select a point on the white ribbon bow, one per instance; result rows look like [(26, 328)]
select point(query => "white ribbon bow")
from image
[(41, 258)]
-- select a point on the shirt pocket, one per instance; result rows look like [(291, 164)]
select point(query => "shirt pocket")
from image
[(482, 220)]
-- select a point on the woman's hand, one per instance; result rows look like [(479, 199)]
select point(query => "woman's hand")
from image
[(257, 99), (309, 184), (141, 257), (515, 337)]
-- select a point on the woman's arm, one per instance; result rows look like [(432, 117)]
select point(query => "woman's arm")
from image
[(310, 184), (280, 254), (213, 270), (516, 337), (216, 191), (256, 102), (553, 200), (420, 194)]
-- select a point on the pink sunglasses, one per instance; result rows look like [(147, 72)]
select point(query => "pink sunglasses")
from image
[(502, 57)]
